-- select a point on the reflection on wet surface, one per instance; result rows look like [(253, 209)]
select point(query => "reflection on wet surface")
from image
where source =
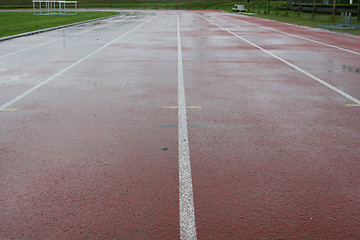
[(86, 151)]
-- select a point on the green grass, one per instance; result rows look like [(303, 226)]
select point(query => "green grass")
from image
[(12, 23)]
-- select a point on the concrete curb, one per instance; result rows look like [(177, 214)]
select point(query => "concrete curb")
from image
[(52, 28)]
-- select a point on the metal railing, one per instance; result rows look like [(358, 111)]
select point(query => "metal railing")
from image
[(53, 7)]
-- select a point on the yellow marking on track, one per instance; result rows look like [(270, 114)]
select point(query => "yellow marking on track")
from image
[(353, 105), (10, 109), (175, 107), (170, 107)]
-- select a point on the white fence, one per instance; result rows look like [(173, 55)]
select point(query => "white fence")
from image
[(53, 7)]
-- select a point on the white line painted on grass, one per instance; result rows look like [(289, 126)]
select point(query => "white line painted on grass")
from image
[(186, 199), (24, 94), (296, 36), (290, 64)]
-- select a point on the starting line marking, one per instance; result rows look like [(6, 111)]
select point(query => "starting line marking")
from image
[(176, 107), (353, 105), (348, 96), (186, 198)]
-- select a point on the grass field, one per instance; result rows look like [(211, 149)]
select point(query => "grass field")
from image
[(12, 23)]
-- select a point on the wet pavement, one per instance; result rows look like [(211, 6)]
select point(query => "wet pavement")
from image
[(89, 138)]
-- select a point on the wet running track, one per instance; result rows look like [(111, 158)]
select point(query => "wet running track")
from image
[(168, 125)]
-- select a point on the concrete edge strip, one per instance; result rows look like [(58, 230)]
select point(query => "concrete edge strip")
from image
[(24, 94), (53, 28), (186, 198), (346, 95)]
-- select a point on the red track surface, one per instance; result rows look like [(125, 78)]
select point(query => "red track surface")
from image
[(274, 153)]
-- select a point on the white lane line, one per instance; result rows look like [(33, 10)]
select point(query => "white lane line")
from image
[(21, 96), (296, 36), (186, 199), (48, 42), (29, 48), (290, 64), (304, 27)]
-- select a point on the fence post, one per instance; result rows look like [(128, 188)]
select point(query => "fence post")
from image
[(333, 10), (299, 8), (287, 7), (358, 15), (265, 6), (269, 5), (314, 9), (277, 7)]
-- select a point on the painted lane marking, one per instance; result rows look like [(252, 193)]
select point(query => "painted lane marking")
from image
[(29, 48), (186, 199), (189, 126), (296, 36), (176, 107), (46, 43), (10, 109), (348, 96), (51, 41), (24, 94), (353, 105)]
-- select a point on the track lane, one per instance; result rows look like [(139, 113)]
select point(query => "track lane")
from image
[(29, 68), (90, 163), (319, 62), (278, 156), (303, 38), (17, 45), (272, 154), (347, 42)]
